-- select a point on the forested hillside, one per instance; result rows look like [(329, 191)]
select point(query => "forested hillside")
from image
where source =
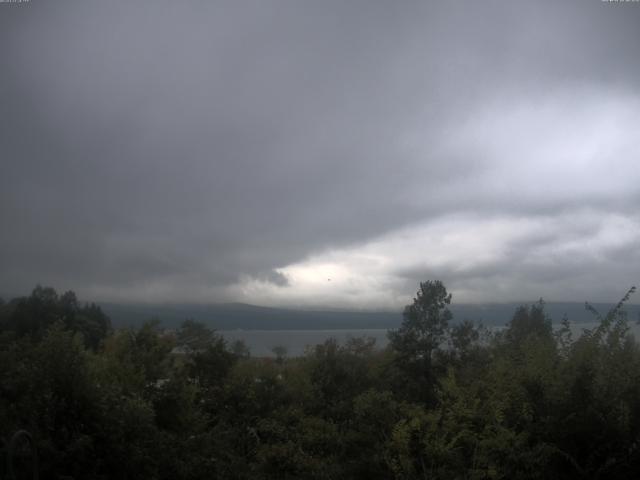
[(445, 400)]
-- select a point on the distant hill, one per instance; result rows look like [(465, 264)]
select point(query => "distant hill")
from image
[(250, 317)]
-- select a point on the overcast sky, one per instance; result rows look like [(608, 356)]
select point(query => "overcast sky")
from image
[(317, 153)]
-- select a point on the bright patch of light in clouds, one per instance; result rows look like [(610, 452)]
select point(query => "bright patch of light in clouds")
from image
[(535, 155), (480, 259)]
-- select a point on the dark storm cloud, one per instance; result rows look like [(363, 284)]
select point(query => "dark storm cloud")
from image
[(187, 145)]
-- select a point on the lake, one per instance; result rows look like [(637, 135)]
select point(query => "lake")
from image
[(261, 342)]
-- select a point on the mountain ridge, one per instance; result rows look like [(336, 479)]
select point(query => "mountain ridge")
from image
[(230, 316)]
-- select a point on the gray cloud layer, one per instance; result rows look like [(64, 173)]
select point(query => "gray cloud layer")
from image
[(173, 149)]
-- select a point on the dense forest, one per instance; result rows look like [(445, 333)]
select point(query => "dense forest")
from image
[(447, 399)]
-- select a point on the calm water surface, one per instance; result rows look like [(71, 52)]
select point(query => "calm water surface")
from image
[(261, 342)]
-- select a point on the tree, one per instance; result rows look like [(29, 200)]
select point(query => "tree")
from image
[(280, 351), (240, 349), (425, 324), (529, 322), (423, 330), (209, 367), (195, 336), (31, 316)]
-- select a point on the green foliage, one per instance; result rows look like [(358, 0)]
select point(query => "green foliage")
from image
[(31, 316), (442, 402), (195, 336), (240, 349), (337, 374), (528, 322), (424, 326), (280, 352), (418, 341)]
